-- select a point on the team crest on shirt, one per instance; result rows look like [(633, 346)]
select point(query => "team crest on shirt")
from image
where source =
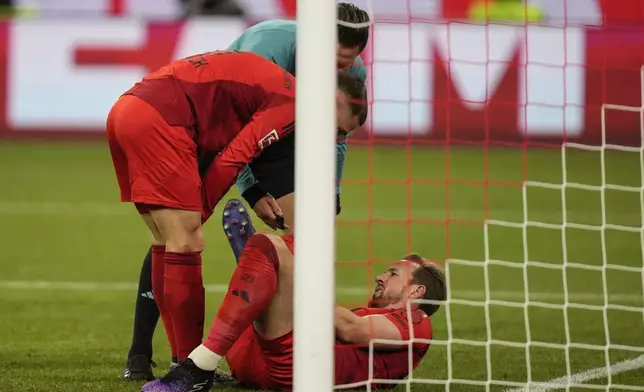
[(269, 139)]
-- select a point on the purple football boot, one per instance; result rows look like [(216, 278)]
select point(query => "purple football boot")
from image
[(237, 225), (187, 377), (159, 386)]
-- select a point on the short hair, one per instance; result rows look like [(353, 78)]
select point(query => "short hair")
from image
[(352, 36), (356, 91), (430, 276)]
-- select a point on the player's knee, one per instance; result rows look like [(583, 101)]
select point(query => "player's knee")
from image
[(264, 244), (187, 240), (181, 230)]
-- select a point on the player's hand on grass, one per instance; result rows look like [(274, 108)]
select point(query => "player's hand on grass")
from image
[(269, 211)]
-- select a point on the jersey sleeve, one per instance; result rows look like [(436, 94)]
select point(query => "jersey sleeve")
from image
[(358, 69), (419, 321), (267, 127), (249, 187), (245, 180), (277, 46)]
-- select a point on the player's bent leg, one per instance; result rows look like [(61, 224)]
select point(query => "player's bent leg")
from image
[(277, 318), (263, 357), (183, 291), (250, 292)]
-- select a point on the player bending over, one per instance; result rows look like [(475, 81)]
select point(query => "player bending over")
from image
[(275, 41), (253, 329), (228, 103)]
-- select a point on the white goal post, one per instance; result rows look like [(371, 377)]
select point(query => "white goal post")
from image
[(315, 118)]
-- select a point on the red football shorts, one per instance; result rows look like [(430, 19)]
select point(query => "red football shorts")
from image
[(262, 364), (155, 163)]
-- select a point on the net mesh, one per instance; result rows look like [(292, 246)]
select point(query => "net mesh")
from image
[(498, 151)]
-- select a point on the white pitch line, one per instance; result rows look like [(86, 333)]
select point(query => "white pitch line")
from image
[(348, 291), (60, 208), (55, 208), (116, 286), (98, 208), (582, 377)]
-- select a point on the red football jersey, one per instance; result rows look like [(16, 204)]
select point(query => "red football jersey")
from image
[(233, 104), (352, 363)]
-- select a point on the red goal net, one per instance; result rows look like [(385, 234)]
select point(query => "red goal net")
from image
[(510, 152)]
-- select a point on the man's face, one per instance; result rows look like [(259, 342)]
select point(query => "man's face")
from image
[(394, 286), (347, 121), (346, 56)]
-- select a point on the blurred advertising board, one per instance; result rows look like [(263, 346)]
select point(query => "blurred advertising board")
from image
[(427, 80)]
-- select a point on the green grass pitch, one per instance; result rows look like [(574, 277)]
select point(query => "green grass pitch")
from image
[(60, 221)]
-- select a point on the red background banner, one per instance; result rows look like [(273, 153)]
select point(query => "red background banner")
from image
[(438, 88)]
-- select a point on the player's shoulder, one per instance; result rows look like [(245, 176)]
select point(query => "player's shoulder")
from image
[(283, 26), (245, 63), (235, 64)]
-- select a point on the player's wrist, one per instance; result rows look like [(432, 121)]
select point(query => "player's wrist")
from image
[(253, 194)]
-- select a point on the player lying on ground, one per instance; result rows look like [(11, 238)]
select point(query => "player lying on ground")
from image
[(275, 41), (232, 104), (253, 329)]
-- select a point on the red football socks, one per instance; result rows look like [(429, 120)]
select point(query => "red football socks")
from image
[(251, 290), (185, 300), (158, 273)]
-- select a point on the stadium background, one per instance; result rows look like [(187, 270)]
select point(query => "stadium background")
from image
[(467, 124)]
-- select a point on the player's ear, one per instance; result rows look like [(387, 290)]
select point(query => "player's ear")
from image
[(418, 291)]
